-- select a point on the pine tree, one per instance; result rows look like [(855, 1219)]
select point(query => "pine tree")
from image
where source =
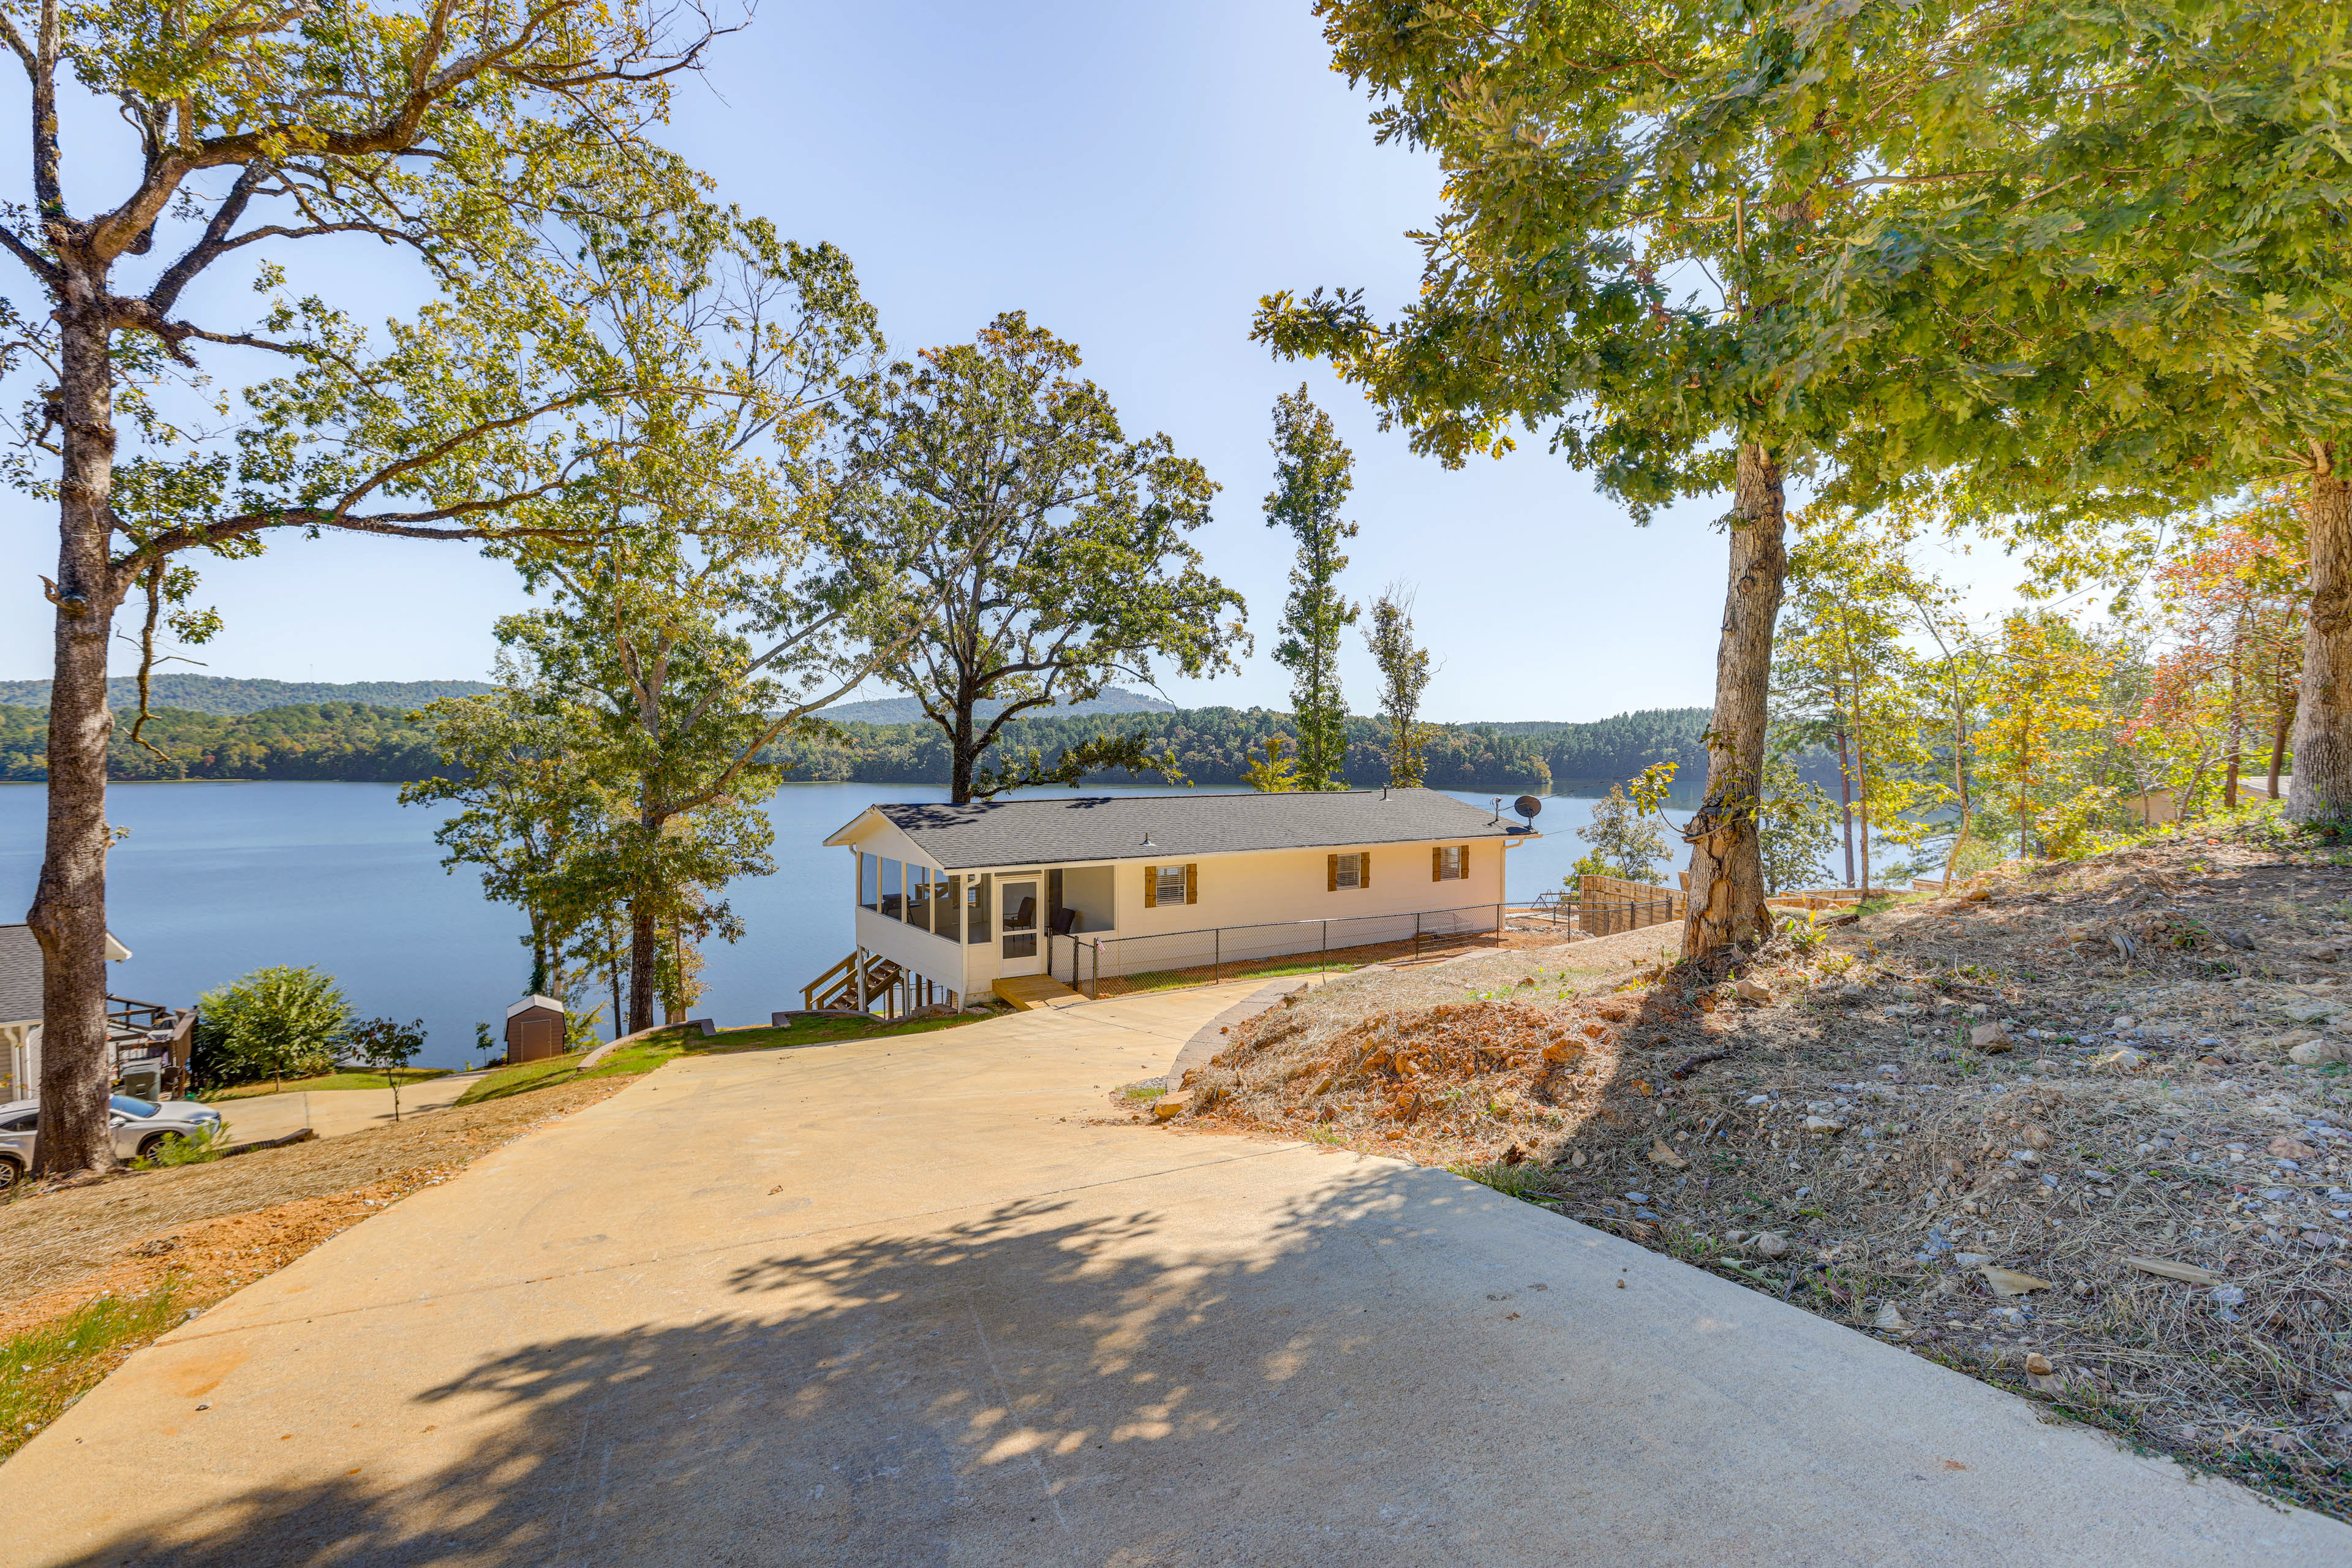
[(1313, 473)]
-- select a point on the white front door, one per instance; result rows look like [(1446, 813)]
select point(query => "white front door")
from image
[(1021, 946)]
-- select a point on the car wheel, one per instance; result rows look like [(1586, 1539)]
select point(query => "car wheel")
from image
[(10, 1173), (148, 1145)]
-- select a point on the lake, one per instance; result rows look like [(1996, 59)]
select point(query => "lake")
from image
[(217, 880)]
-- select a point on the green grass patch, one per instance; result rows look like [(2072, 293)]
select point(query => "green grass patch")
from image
[(816, 1032), (328, 1081), (644, 1056), (1526, 1180), (45, 1370)]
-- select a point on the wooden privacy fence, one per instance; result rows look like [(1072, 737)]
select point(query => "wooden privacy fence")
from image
[(1607, 905)]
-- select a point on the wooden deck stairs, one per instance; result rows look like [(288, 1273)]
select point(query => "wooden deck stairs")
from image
[(835, 991), (1028, 991)]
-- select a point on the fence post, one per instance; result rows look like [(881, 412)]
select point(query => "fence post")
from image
[(1324, 960), (1416, 933), (1216, 954)]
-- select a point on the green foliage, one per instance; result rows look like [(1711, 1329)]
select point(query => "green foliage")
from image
[(228, 696), (1216, 746), (1797, 826), (1627, 841), (277, 1023), (346, 742), (1045, 554), (386, 1045), (1313, 473), (206, 1143), (1277, 772), (1129, 753), (526, 775), (1404, 676)]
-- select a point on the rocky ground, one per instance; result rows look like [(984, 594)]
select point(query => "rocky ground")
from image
[(2052, 1130)]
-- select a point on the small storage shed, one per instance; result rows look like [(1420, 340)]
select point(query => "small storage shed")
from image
[(534, 1029)]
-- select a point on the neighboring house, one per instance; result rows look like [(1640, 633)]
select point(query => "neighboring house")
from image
[(961, 896), (148, 1040)]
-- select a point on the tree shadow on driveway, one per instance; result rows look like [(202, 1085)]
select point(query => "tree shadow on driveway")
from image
[(1036, 1385)]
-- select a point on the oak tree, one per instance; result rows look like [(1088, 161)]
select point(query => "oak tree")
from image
[(463, 137), (1045, 554)]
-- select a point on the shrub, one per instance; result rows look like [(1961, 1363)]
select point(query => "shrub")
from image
[(276, 1023), (187, 1148)]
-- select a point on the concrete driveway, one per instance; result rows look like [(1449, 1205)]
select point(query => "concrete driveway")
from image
[(332, 1112), (901, 1302)]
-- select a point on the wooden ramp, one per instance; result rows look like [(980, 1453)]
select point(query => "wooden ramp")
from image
[(1027, 991)]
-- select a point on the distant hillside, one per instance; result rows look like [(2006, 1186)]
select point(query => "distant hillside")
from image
[(225, 697), (346, 742), (906, 710), (1213, 745), (372, 742)]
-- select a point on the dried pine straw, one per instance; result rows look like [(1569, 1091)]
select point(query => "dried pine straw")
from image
[(1930, 1159)]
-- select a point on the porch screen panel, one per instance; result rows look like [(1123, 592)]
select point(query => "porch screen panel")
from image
[(950, 904), (894, 893), (919, 896), (869, 880), (975, 909)]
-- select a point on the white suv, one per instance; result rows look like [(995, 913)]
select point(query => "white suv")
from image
[(140, 1126)]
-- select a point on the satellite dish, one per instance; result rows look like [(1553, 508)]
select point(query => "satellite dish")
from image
[(1528, 807)]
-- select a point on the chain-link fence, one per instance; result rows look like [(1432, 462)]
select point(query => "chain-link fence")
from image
[(1119, 965)]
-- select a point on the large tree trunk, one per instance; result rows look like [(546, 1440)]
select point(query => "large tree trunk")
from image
[(1726, 871), (1846, 805), (69, 913), (641, 938), (2321, 786), (2237, 711), (962, 755)]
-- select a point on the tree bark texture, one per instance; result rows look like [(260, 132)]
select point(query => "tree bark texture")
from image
[(69, 912), (962, 754), (641, 938), (1846, 805), (2321, 787), (1727, 869)]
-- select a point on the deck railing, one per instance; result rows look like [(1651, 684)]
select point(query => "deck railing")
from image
[(1117, 966)]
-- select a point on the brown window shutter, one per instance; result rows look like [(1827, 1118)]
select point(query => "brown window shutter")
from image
[(1151, 886), (1437, 863), (1364, 870), (1191, 883), (1332, 886)]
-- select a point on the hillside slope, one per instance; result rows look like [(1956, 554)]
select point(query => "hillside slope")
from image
[(226, 695)]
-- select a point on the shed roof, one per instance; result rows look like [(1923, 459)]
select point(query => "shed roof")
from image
[(1059, 830), (551, 1004), (20, 973)]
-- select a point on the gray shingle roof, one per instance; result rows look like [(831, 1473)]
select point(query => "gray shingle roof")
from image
[(1061, 830), (20, 975)]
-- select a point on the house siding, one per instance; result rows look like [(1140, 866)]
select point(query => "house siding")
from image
[(1265, 902)]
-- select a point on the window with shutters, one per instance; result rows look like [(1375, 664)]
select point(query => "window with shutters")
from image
[(1349, 873), (1453, 862), (1168, 885)]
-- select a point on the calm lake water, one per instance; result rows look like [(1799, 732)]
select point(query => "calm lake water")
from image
[(216, 879)]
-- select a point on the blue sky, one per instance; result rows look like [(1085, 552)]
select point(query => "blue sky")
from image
[(1134, 176)]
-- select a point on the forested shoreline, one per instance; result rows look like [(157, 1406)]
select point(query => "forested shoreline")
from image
[(360, 742)]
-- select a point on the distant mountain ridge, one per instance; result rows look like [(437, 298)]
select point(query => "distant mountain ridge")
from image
[(908, 711), (228, 696)]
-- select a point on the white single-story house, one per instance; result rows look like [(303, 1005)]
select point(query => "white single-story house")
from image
[(1072, 886), (20, 1010)]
